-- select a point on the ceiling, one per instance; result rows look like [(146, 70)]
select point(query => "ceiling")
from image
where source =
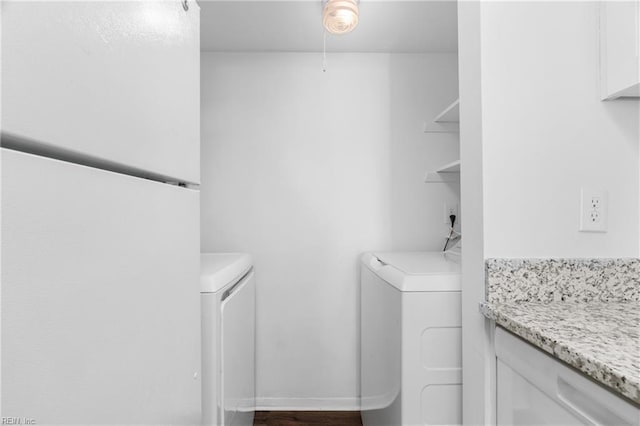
[(295, 26)]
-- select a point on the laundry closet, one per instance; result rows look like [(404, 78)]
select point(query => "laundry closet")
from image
[(311, 158), (216, 212)]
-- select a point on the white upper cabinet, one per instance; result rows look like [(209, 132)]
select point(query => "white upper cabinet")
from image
[(620, 49), (117, 81)]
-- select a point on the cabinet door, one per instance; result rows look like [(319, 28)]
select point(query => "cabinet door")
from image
[(620, 48), (100, 296), (521, 403), (116, 80), (535, 389)]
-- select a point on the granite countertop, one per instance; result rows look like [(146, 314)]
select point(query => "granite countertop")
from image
[(599, 338)]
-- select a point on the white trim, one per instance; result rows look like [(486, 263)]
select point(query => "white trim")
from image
[(308, 404)]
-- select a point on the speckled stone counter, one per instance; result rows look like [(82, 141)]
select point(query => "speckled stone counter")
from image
[(585, 312), (549, 280), (601, 339)]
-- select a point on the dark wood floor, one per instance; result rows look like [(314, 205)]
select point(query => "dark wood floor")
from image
[(304, 418)]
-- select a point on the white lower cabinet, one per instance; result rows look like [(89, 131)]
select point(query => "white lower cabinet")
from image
[(533, 388)]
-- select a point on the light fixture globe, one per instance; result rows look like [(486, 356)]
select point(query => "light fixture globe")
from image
[(340, 16)]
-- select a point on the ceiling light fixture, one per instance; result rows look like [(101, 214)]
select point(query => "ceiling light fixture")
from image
[(340, 16)]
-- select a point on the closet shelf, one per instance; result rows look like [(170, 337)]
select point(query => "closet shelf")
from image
[(448, 121), (453, 167), (447, 173), (451, 114)]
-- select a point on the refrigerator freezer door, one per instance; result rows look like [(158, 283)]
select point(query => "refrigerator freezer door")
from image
[(100, 297), (116, 80)]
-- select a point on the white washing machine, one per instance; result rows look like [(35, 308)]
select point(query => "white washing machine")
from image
[(411, 339), (227, 287)]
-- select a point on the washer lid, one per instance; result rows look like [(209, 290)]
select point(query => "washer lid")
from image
[(420, 263), (218, 270), (416, 271)]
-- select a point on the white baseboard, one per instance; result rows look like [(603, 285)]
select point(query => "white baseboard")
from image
[(307, 404)]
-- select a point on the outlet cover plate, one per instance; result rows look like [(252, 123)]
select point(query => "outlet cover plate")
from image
[(594, 206), (449, 209)]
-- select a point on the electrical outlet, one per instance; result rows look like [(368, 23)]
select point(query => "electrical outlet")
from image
[(593, 210), (449, 209)]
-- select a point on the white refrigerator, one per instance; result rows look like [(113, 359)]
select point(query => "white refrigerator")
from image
[(100, 212)]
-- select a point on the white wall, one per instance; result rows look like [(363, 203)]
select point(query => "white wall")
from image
[(305, 170), (546, 134), (421, 86), (476, 397), (533, 131)]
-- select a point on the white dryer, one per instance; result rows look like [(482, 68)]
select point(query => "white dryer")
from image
[(411, 339), (227, 287)]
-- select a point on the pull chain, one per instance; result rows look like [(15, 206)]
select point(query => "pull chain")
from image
[(324, 51)]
